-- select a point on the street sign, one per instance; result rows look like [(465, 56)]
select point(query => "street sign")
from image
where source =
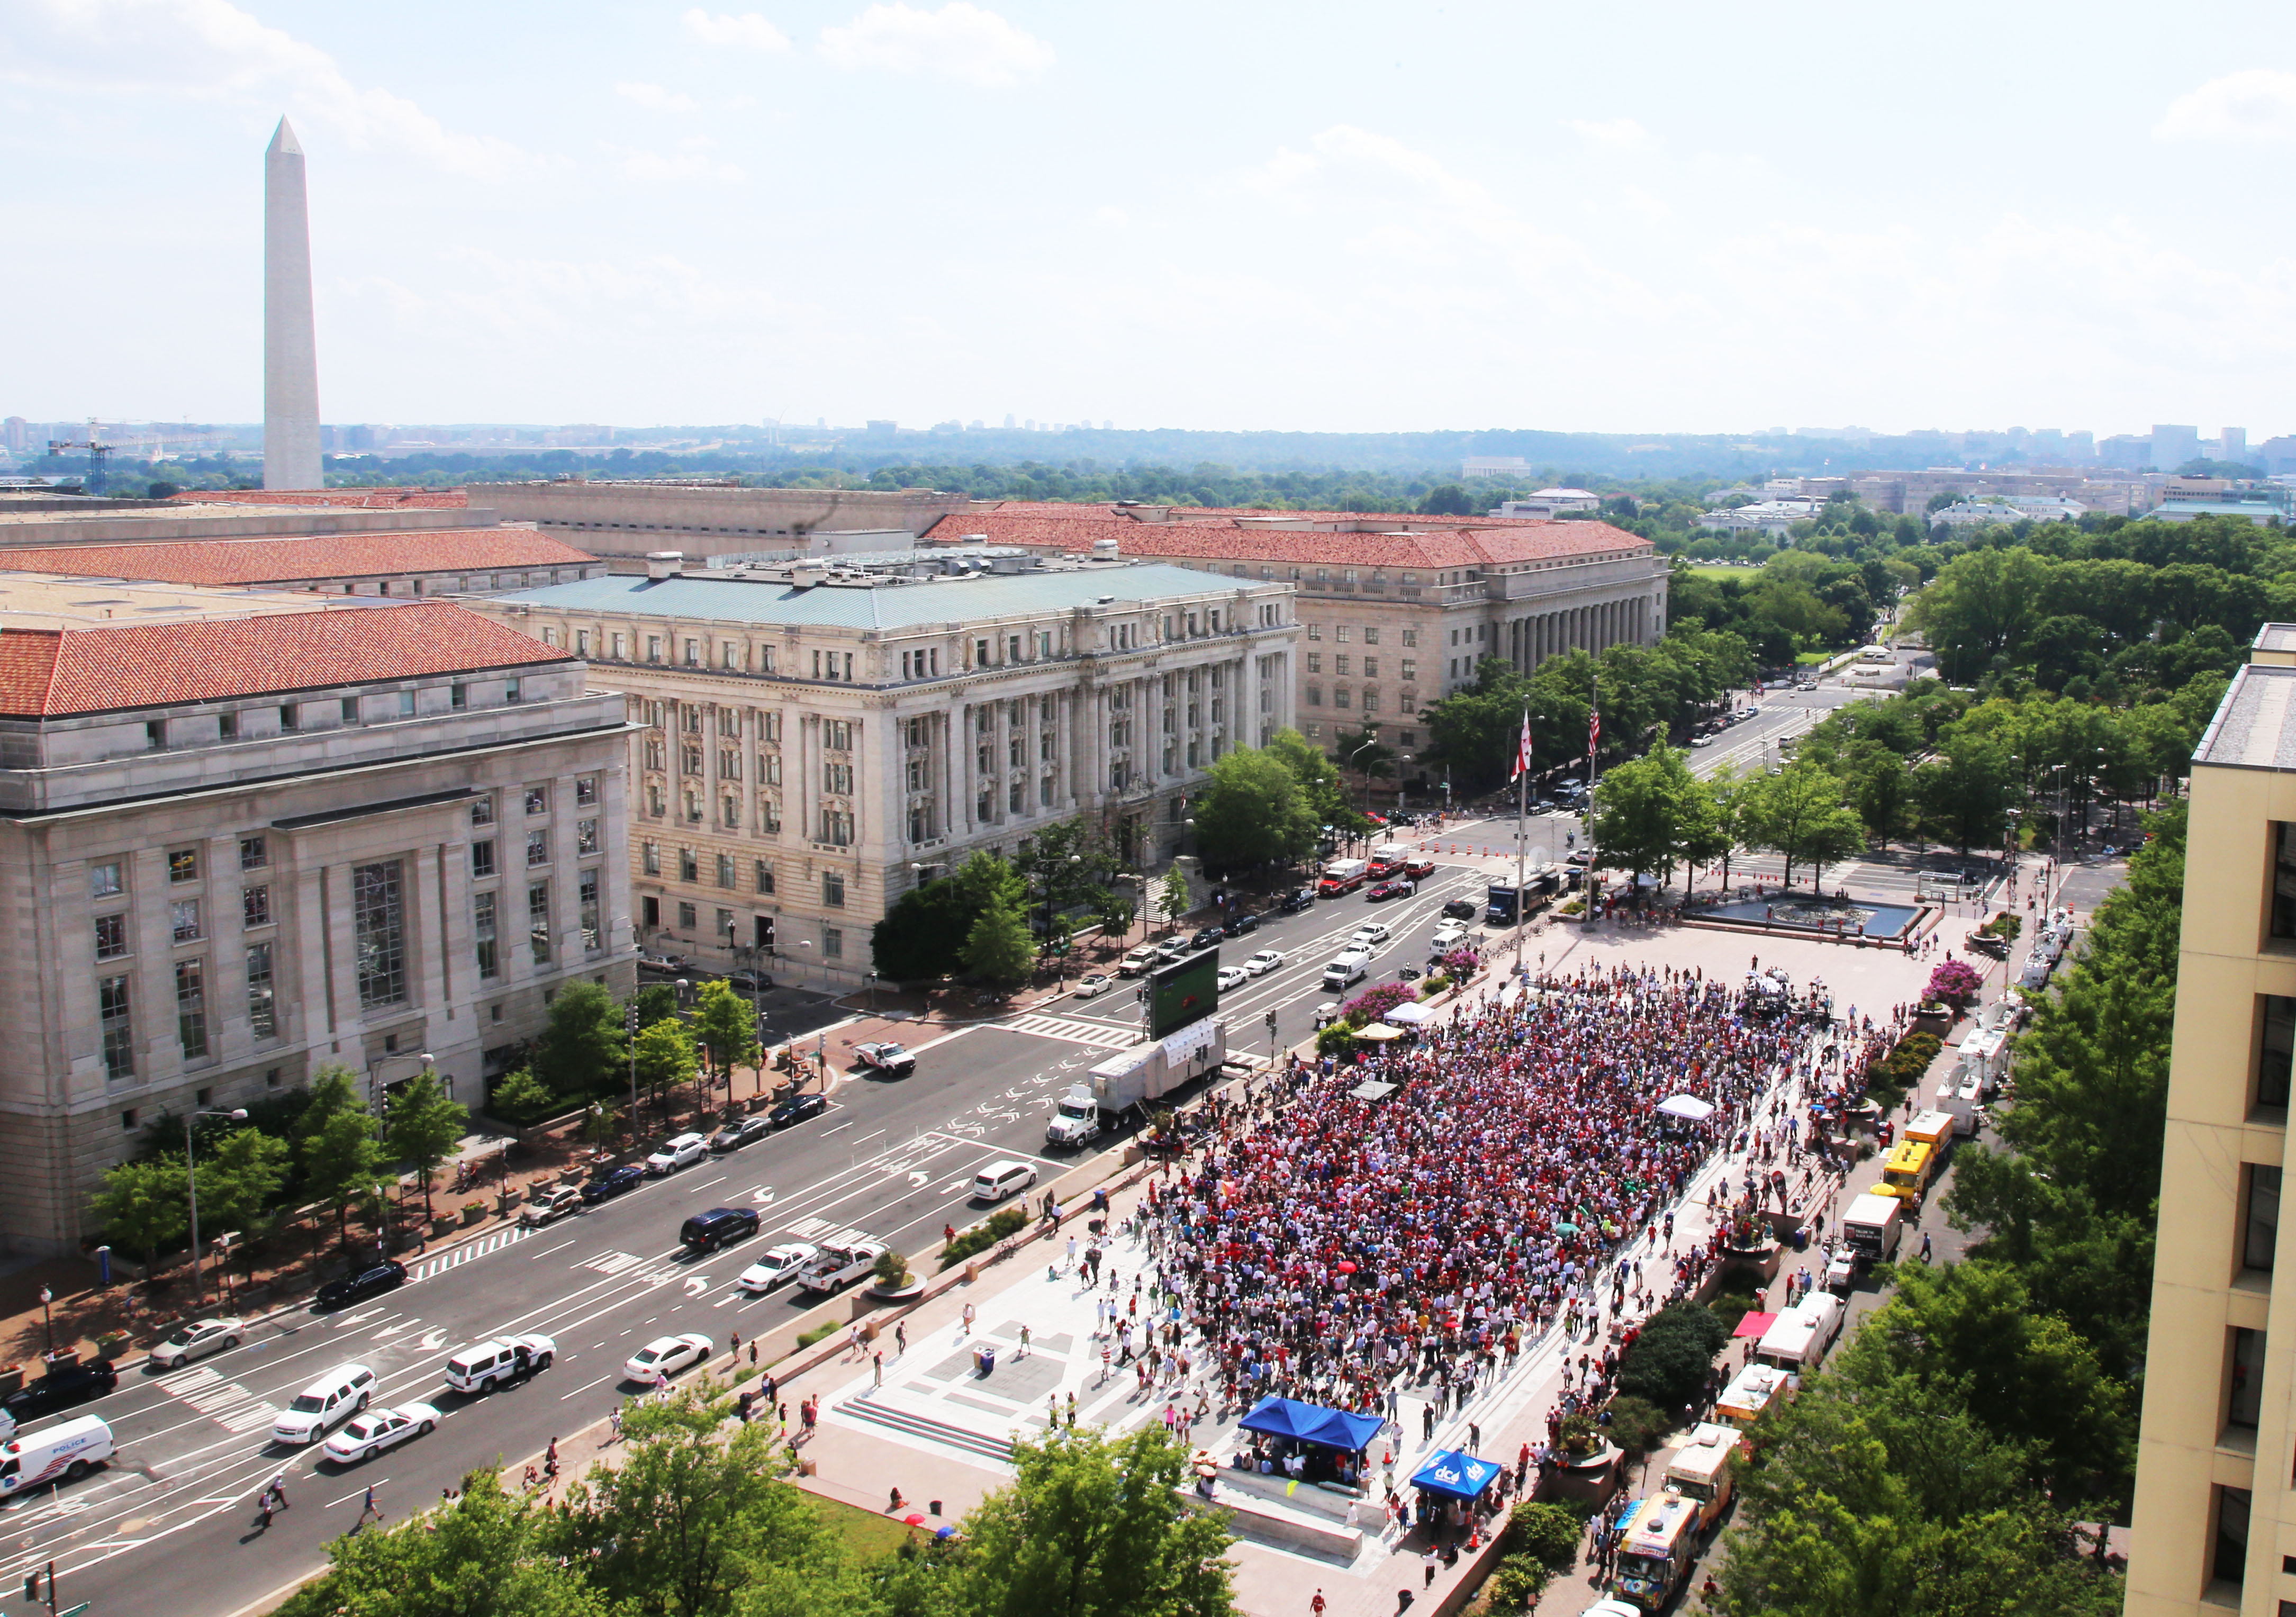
[(73, 1610)]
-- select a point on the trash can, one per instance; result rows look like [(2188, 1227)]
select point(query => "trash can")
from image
[(984, 1359), (1801, 1239)]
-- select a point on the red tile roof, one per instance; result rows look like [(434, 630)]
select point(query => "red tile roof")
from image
[(48, 673), (345, 556), (357, 498), (1075, 509), (1487, 544)]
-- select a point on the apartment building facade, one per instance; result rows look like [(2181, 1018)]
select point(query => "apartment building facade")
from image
[(809, 746), (2215, 1521), (274, 832)]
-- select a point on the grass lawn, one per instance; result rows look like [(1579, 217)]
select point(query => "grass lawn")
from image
[(1708, 570), (1809, 659), (864, 1534)]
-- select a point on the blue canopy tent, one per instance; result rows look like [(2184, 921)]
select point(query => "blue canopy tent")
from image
[(1462, 1476), (1312, 1423)]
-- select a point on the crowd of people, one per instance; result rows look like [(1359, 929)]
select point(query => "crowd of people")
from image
[(1334, 1248)]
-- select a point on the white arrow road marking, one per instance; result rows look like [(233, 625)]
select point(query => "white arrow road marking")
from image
[(431, 1340), (955, 1185), (393, 1330), (355, 1318), (697, 1284), (917, 1179), (762, 1195)]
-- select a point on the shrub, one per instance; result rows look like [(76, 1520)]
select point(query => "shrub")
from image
[(1888, 1079), (1953, 980), (892, 1271), (1515, 1584), (1545, 1535), (521, 1097), (1462, 963), (984, 1235), (827, 1328), (1668, 1362), (1636, 1424), (1338, 1039), (1731, 1307), (1435, 984), (1375, 1003)]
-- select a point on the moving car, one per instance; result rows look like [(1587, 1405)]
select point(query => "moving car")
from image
[(1265, 961), (1232, 977), (1239, 925), (706, 1232), (998, 1180), (732, 1137), (796, 1109), (1702, 741), (1299, 899), (370, 1434), (839, 1263), (780, 1265), (373, 1281), (1092, 985), (748, 982), (1419, 870), (499, 1360), (614, 1182), (1388, 890), (71, 1381), (1206, 937), (325, 1404), (886, 1058), (62, 1454), (659, 962), (1369, 932), (679, 1150), (1460, 910), (666, 1356), (1171, 949), (1138, 961), (1446, 935), (196, 1339), (555, 1202)]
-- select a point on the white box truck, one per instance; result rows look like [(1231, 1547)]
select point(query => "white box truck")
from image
[(1799, 1337), (1871, 1227)]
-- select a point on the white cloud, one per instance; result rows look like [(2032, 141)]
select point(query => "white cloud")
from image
[(2255, 104), (1611, 135), (1115, 218), (210, 49), (960, 43), (693, 160), (749, 31), (654, 96)]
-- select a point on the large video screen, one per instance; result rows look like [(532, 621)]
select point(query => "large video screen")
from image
[(1184, 991)]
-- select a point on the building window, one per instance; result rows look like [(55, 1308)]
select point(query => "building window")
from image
[(585, 836), (183, 864), (510, 691), (111, 937), (191, 1008), (113, 1020), (537, 920), (379, 934), (482, 859), (586, 896), (482, 927), (650, 858), (458, 696), (2276, 1053), (2244, 1370), (725, 870), (482, 809), (262, 1007), (288, 719), (836, 827), (537, 849), (686, 923), (2262, 1215), (586, 791), (183, 920), (765, 877), (2229, 1563), (538, 800), (650, 913), (833, 889), (350, 709), (103, 880), (833, 943), (254, 853), (407, 704), (255, 905), (689, 866)]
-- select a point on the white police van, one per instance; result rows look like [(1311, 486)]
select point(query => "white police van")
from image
[(62, 1453)]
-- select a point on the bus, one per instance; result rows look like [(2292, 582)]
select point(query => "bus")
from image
[(1906, 1172), (1657, 1542)]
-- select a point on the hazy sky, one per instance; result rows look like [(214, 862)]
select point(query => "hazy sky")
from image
[(1340, 215)]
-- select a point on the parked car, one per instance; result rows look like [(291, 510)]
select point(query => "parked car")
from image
[(796, 1109), (1265, 961), (1232, 977), (1138, 961), (886, 1058), (1092, 985), (706, 1232), (748, 982), (380, 1429), (776, 1267), (655, 961), (196, 1339), (66, 1383), (614, 1182), (1241, 925), (550, 1206), (679, 1150), (666, 1356), (732, 1137), (1702, 741), (1385, 891), (1299, 899), (373, 1281), (1460, 910), (998, 1180), (1206, 937)]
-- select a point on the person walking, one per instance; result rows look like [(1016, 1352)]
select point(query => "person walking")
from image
[(877, 1368), (968, 1319), (370, 1509), (900, 1338)]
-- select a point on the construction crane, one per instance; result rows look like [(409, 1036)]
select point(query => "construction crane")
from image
[(96, 451)]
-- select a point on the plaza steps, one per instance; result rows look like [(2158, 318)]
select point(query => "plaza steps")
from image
[(925, 1426)]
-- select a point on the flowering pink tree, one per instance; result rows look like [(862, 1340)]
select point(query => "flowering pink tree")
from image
[(1954, 981), (1376, 1003)]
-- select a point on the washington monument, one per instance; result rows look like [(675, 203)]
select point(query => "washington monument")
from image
[(290, 354)]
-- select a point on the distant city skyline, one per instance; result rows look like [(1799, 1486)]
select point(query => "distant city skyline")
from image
[(1265, 219)]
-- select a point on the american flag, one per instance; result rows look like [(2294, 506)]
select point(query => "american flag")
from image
[(1522, 750), (1594, 727)]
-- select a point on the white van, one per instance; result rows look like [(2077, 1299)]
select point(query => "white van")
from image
[(1349, 967), (322, 1406), (62, 1453), (1000, 1180), (1799, 1337)]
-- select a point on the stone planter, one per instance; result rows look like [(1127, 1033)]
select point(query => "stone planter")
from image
[(570, 1176), (898, 1295), (506, 1203), (11, 1378), (1593, 1480), (472, 1212), (444, 1224), (112, 1344)]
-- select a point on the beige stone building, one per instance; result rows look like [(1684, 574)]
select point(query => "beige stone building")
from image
[(812, 744), (1395, 611), (2214, 1523), (626, 519), (241, 835)]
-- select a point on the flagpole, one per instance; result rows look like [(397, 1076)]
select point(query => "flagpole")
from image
[(1594, 734), (1521, 835)]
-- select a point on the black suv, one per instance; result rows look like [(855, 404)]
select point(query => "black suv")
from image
[(369, 1282), (74, 1382), (1460, 910), (706, 1232), (1291, 903), (1241, 924), (1207, 938)]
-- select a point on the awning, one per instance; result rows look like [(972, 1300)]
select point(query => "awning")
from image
[(1462, 1476), (1378, 1033), (1312, 1423), (1752, 1324), (1688, 1107), (1409, 1014), (1372, 1090)]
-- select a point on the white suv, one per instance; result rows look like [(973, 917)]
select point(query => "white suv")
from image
[(325, 1404), (680, 1151)]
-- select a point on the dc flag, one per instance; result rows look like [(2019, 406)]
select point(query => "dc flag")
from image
[(1522, 752)]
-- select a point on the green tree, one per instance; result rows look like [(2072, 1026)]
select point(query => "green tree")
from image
[(1000, 950), (1252, 812), (1799, 813), (1319, 778), (1980, 607), (1882, 792), (583, 1045), (1965, 795), (666, 1057), (725, 1027), (1093, 1526), (240, 1174), (601, 1123), (422, 1126), (1647, 812), (1115, 915), (342, 1160), (1172, 897), (519, 1097), (1726, 802), (921, 938), (143, 1206), (1447, 499)]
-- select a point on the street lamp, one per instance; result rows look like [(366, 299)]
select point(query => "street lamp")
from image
[(47, 1325), (1369, 741), (238, 1114)]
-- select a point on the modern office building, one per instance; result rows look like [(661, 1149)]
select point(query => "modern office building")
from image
[(243, 836), (2214, 1523), (811, 742)]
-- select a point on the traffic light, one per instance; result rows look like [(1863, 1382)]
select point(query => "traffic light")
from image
[(31, 1586)]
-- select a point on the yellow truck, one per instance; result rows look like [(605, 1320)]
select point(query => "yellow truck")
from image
[(1658, 1544), (1906, 1172)]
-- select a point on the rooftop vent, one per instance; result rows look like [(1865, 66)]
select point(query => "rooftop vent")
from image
[(1104, 550), (665, 563)]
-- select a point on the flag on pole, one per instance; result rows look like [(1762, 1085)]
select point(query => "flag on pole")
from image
[(1523, 749), (1594, 727)]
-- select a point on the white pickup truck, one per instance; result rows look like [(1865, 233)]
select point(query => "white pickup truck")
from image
[(840, 1264)]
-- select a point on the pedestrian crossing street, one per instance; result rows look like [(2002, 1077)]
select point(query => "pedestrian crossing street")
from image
[(1075, 1032), (423, 1269), (226, 1403)]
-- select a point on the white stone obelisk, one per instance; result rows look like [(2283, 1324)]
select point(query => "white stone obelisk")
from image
[(290, 352)]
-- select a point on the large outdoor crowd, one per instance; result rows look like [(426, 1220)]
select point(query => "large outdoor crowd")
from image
[(1331, 1245)]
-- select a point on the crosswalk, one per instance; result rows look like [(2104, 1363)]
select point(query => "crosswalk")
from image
[(226, 1403), (822, 1229), (1075, 1032), (479, 1248)]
